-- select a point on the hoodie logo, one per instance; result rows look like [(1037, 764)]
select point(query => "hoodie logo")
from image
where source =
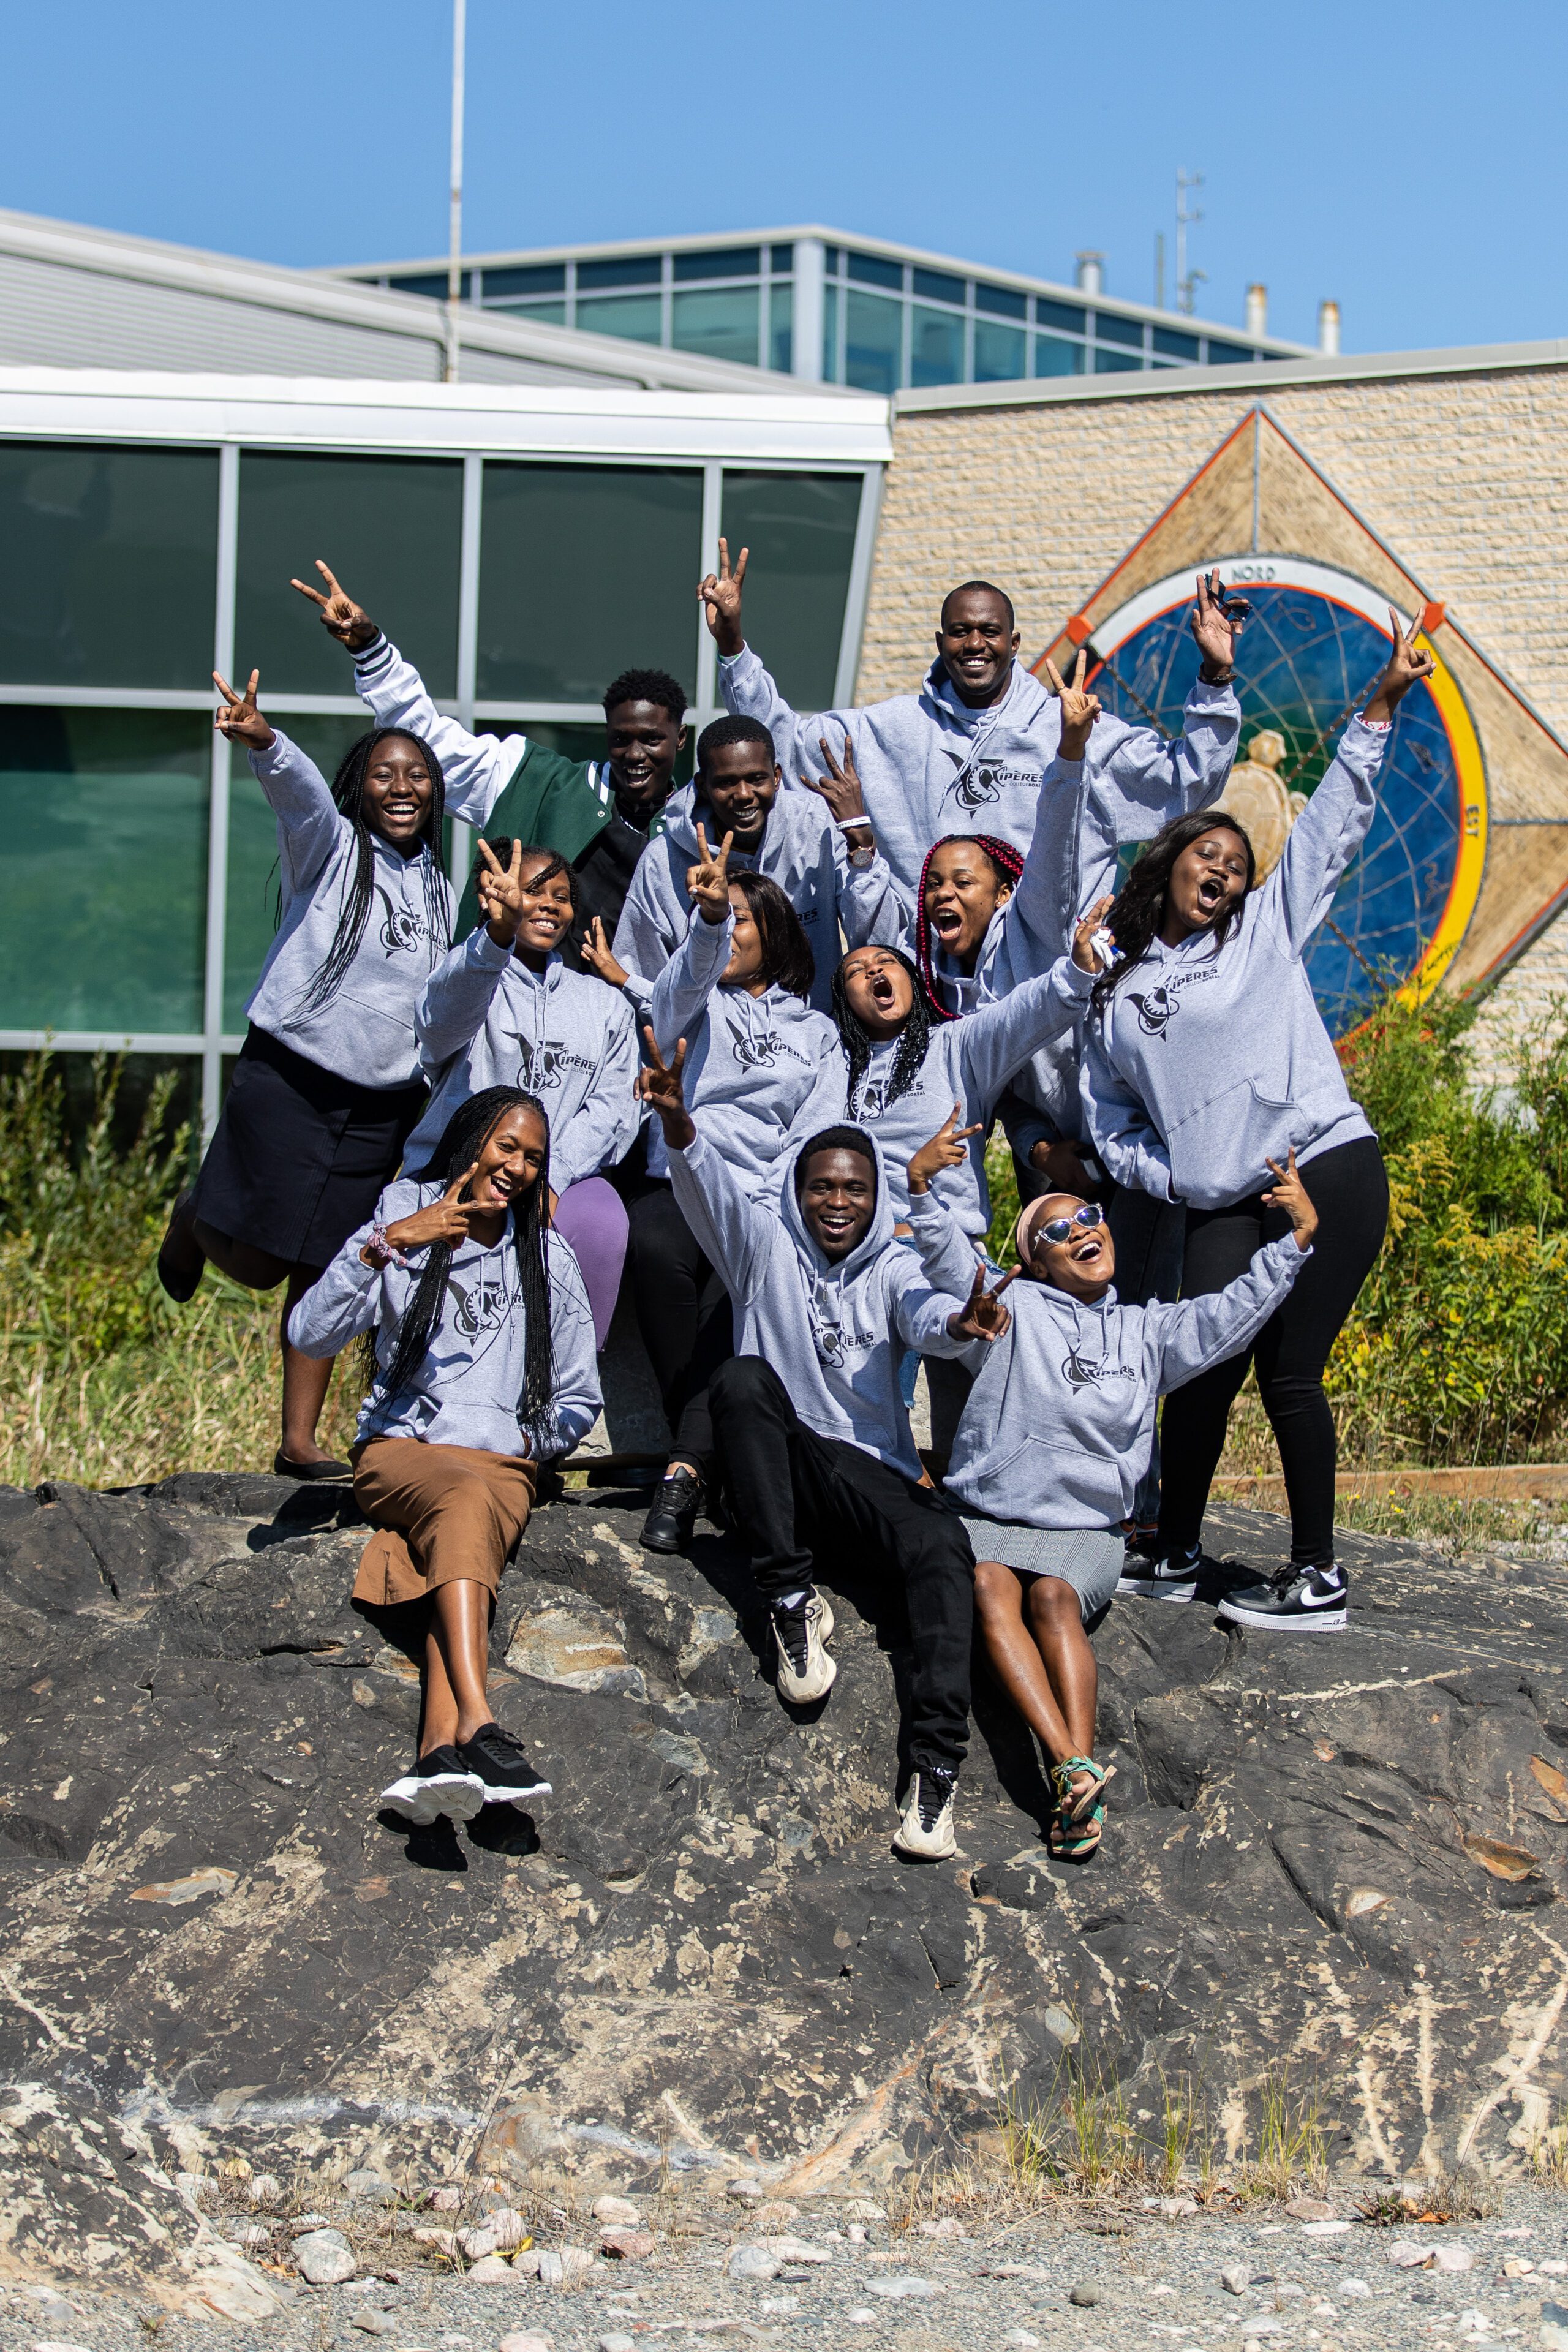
[(1082, 1375), (983, 787), (544, 1065), (480, 1307), (872, 1101), (759, 1053), (830, 1345), (400, 932), (1155, 1010)]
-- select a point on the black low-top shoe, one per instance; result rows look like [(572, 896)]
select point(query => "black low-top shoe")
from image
[(181, 1263), (502, 1766), (668, 1525), (309, 1472), (1294, 1601), (441, 1782)]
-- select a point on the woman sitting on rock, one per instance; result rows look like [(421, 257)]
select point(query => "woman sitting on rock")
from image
[(503, 1007), (1051, 1445), (482, 1347)]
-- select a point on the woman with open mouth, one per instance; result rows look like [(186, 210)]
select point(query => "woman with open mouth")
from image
[(1207, 1062), (328, 1085), (1052, 1442), (479, 1344)]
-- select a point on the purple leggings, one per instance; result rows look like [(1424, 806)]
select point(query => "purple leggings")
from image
[(589, 1215)]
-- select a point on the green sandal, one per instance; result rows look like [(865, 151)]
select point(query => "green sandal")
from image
[(1080, 1813)]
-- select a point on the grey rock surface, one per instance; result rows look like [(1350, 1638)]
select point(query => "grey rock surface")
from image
[(1334, 1858)]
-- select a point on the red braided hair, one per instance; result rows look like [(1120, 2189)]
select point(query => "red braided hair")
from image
[(1007, 860)]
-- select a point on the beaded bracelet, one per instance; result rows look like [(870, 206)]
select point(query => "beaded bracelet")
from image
[(379, 1252)]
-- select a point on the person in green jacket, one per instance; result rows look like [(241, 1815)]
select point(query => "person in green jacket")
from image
[(598, 815)]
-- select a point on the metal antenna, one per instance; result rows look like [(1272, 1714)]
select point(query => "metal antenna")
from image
[(1186, 217), (455, 205)]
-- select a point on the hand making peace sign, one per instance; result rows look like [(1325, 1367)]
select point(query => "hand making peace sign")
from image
[(983, 1316), (239, 719), (841, 787), (720, 595), (446, 1220), (1080, 709), (340, 616), (500, 889), (658, 1086), (1216, 622), (708, 882), (946, 1149), (1405, 667)]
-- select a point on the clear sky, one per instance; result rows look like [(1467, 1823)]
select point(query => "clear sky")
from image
[(1408, 161)]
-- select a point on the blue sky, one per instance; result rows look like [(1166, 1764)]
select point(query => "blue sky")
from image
[(1408, 161)]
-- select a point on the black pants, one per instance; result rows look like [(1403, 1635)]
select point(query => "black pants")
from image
[(683, 1314), (799, 1497), (1349, 1190)]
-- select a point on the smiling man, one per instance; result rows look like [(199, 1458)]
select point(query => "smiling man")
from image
[(598, 815)]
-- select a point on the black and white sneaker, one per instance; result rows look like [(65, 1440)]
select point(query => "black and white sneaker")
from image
[(669, 1525), (1294, 1601), (500, 1765), (1149, 1574), (804, 1671), (441, 1782)]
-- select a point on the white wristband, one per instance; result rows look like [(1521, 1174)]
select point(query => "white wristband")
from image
[(853, 823)]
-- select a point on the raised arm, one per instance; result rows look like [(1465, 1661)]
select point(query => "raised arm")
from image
[(996, 1040), (744, 685), (1147, 779), (1336, 821), (474, 769), (457, 996), (297, 792), (681, 992), (730, 1229), (648, 931)]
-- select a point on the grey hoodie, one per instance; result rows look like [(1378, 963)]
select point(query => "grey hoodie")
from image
[(466, 1392), (486, 1018), (1209, 1063), (760, 1069), (801, 849), (835, 1334), (365, 1032), (1056, 1430), (968, 1062), (931, 766)]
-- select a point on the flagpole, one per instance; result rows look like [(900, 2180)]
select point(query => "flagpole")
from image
[(455, 206)]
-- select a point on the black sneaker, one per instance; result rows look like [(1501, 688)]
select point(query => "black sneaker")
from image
[(668, 1525), (1149, 1574), (441, 1782), (181, 1263), (1294, 1601), (501, 1768)]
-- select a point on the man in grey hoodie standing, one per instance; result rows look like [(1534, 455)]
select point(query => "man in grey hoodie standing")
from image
[(809, 1422)]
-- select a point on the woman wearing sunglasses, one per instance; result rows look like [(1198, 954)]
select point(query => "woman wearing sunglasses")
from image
[(1207, 1059), (1051, 1445)]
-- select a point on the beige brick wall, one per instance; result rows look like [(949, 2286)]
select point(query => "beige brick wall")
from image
[(1466, 477)]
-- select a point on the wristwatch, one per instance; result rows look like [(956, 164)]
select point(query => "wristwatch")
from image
[(861, 858)]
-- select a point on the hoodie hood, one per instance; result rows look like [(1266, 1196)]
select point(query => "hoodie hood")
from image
[(877, 1234), (796, 825), (1019, 707)]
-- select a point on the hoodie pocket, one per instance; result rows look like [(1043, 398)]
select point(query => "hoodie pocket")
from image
[(1228, 1142), (1045, 1480)]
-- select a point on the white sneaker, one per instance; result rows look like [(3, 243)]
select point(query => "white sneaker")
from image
[(926, 1832), (804, 1669), (440, 1782)]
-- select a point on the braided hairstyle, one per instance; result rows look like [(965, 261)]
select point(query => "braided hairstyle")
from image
[(1007, 864), (462, 1140), (348, 793), (1140, 908), (914, 1037)]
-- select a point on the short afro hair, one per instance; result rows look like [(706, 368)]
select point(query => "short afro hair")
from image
[(988, 588), (834, 1139), (732, 729), (654, 685)]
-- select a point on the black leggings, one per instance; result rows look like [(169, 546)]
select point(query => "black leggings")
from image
[(1349, 1189), (683, 1314)]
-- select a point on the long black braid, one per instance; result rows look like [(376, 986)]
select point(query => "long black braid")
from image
[(914, 1037), (348, 793), (462, 1140)]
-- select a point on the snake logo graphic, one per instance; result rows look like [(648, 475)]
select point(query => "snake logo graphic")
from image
[(1081, 1375), (759, 1053), (873, 1100), (1156, 1010), (539, 1067), (400, 930), (480, 1307), (830, 1345)]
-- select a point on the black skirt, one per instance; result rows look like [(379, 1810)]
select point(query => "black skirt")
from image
[(300, 1157)]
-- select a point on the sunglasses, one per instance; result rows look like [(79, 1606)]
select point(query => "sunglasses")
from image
[(1059, 1229)]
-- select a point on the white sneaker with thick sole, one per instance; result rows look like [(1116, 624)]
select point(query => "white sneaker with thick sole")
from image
[(439, 1783), (805, 1671), (926, 1832)]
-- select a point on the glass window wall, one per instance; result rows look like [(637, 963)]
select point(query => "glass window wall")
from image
[(635, 318), (936, 346), (721, 325), (1054, 356), (391, 529), (108, 573), (999, 353), (801, 529), (781, 328), (873, 342), (584, 570)]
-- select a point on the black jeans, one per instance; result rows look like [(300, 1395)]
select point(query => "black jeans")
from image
[(1349, 1189), (683, 1314), (797, 1496)]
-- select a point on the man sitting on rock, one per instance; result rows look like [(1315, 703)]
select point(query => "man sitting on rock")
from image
[(810, 1431)]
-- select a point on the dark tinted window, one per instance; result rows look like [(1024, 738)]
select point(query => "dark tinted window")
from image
[(109, 571), (1001, 300), (1175, 346), (872, 270), (433, 282), (1059, 314), (800, 529), (726, 261), (545, 277), (780, 257), (1109, 328), (632, 269), (1223, 353), (938, 287)]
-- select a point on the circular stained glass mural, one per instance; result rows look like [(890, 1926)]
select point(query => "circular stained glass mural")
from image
[(1308, 657)]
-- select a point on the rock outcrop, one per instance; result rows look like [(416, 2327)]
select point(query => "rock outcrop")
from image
[(1332, 1868)]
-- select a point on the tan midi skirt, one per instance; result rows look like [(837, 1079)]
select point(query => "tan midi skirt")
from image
[(442, 1514)]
